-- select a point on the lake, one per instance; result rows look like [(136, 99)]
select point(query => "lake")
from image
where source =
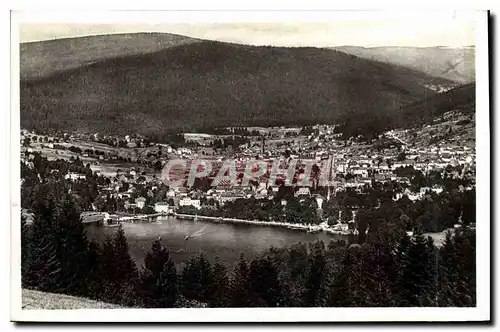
[(226, 241)]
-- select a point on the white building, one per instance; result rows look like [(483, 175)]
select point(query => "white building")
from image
[(162, 207), (74, 176), (341, 227), (188, 201), (319, 201), (360, 171), (304, 191), (140, 202)]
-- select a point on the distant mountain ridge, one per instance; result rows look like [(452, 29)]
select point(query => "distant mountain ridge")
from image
[(456, 64), (190, 84), (43, 58)]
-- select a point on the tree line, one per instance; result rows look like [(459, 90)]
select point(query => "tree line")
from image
[(388, 268)]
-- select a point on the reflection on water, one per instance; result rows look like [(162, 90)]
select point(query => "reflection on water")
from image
[(226, 241)]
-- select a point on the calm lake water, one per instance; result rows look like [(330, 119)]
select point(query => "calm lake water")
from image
[(226, 241)]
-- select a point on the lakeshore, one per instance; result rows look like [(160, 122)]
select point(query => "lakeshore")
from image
[(438, 237), (323, 227), (293, 226), (226, 240)]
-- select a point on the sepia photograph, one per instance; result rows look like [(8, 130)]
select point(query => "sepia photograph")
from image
[(287, 166)]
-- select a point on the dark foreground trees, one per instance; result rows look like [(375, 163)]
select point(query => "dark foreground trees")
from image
[(57, 256), (387, 269), (158, 280)]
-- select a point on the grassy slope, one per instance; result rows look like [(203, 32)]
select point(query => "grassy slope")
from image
[(213, 84), (434, 61), (33, 300), (39, 300), (40, 59)]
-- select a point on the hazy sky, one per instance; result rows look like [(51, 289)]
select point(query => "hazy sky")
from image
[(417, 32)]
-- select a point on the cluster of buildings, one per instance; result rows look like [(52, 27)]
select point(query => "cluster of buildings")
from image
[(356, 165)]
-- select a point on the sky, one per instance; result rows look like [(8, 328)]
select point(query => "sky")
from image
[(419, 32)]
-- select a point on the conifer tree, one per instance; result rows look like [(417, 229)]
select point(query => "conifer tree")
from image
[(315, 294), (73, 249), (239, 283), (125, 270), (124, 267), (105, 273), (220, 286), (94, 281), (44, 269), (294, 269), (25, 252), (263, 283), (58, 229), (378, 268), (418, 287), (158, 284), (197, 279), (347, 289), (457, 280)]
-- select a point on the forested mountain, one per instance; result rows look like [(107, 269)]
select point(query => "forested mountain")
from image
[(370, 125), (462, 98), (209, 83), (456, 64), (42, 58)]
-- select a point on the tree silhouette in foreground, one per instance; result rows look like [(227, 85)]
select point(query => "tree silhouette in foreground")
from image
[(197, 279), (264, 287), (220, 288), (158, 278), (239, 284), (125, 270)]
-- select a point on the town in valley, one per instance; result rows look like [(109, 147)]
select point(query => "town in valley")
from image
[(126, 171), (258, 168)]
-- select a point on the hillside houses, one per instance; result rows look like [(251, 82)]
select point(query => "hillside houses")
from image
[(357, 166)]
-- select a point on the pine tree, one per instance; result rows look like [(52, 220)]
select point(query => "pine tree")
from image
[(105, 274), (73, 249), (263, 283), (158, 278), (125, 270), (294, 275), (220, 287), (418, 286), (197, 279), (124, 267), (59, 230), (401, 257), (465, 241), (44, 268), (379, 269), (25, 251), (347, 288), (94, 283), (315, 294), (457, 279), (239, 284)]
